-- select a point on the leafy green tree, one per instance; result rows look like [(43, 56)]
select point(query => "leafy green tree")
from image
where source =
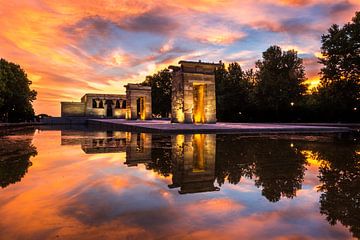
[(280, 82), (339, 92), (160, 84), (16, 97)]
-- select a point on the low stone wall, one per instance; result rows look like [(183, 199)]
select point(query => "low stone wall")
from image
[(73, 109)]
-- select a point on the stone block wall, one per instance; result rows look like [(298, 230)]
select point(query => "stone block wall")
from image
[(185, 77), (72, 109), (133, 93), (194, 161)]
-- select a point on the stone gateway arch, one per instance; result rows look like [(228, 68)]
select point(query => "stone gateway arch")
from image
[(193, 92)]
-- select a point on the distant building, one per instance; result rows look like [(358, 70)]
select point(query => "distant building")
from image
[(96, 105), (193, 92), (136, 104), (138, 99)]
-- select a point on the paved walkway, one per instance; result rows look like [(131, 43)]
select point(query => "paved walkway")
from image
[(163, 126)]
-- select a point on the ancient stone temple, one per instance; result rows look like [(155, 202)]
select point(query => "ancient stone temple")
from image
[(96, 105), (138, 148), (194, 156), (138, 102), (193, 92)]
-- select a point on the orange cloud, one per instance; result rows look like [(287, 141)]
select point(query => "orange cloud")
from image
[(71, 47)]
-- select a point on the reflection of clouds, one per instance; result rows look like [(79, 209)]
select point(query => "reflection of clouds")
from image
[(73, 195)]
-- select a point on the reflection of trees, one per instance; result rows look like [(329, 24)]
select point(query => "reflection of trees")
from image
[(15, 159), (161, 155), (278, 167), (339, 174), (232, 160)]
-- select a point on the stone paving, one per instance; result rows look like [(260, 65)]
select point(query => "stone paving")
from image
[(164, 126)]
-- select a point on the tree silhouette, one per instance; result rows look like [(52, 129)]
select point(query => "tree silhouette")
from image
[(15, 159), (279, 168), (280, 82), (15, 95), (161, 161), (160, 84), (339, 92), (339, 174), (233, 92), (232, 160)]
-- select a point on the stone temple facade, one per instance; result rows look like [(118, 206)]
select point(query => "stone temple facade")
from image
[(193, 156), (136, 104), (193, 92), (96, 105)]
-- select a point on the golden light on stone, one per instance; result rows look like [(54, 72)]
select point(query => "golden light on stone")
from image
[(199, 112), (199, 155), (138, 102), (193, 92)]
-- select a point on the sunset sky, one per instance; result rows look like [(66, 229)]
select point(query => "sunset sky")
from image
[(70, 47)]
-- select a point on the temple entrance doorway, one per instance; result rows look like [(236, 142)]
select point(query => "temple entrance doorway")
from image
[(109, 110), (140, 108), (199, 103)]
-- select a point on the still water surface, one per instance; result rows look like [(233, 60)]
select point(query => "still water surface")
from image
[(81, 184)]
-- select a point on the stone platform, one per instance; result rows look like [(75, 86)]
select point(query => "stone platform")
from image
[(162, 126)]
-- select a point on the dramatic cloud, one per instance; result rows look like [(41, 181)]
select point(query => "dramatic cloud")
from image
[(69, 48)]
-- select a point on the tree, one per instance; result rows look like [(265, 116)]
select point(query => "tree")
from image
[(232, 92), (160, 84), (339, 175), (280, 82), (15, 157), (339, 92), (16, 97)]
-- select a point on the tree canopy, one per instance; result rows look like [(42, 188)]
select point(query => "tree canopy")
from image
[(16, 97), (160, 83), (280, 81), (339, 92)]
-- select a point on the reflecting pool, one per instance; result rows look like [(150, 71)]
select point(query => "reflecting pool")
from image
[(82, 184)]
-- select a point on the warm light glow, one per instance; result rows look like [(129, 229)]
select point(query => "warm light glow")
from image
[(69, 48), (199, 103), (199, 154)]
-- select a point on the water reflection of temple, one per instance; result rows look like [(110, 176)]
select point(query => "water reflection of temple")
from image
[(194, 163), (190, 159), (138, 148), (275, 164)]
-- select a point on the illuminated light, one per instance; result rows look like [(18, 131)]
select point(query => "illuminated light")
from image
[(118, 59), (355, 109), (180, 116), (199, 103), (312, 83), (291, 145), (180, 139), (142, 107), (318, 55), (199, 153), (292, 104), (313, 158)]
